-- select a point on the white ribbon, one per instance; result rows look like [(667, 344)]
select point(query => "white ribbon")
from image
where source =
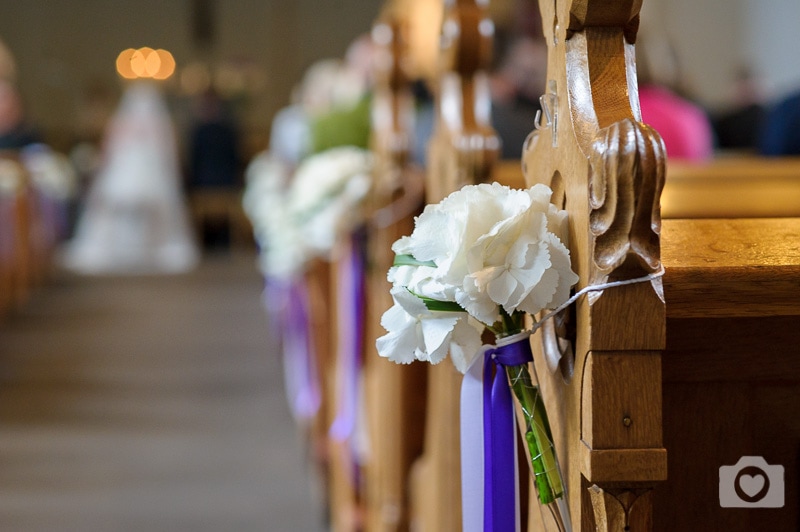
[(472, 446)]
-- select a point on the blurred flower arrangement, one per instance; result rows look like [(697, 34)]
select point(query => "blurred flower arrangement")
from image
[(482, 259), (301, 216)]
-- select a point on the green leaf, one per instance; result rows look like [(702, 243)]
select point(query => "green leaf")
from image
[(409, 260), (441, 306)]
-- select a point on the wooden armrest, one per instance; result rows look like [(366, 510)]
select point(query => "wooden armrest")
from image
[(731, 268)]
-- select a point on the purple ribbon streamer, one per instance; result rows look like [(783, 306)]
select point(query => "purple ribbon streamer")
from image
[(351, 325), (308, 397), (290, 316), (500, 462)]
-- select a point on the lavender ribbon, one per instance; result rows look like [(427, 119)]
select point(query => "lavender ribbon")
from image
[(351, 326), (300, 370), (500, 462)]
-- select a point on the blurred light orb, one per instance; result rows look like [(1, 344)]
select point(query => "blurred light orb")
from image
[(145, 62)]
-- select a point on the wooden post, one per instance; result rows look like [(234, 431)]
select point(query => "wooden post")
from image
[(462, 151), (12, 233), (394, 395), (607, 169)]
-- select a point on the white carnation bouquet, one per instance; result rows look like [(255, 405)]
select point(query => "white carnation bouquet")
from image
[(482, 259)]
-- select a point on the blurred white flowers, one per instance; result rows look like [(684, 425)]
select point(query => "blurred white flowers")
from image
[(487, 251), (298, 216), (51, 172)]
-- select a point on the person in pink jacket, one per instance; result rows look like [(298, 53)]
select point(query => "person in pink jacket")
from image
[(685, 127)]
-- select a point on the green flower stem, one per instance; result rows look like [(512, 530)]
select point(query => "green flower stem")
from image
[(547, 475)]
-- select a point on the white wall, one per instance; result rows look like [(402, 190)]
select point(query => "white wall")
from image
[(773, 42), (714, 38)]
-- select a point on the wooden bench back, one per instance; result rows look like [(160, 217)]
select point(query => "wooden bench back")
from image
[(462, 151), (607, 169), (394, 395)]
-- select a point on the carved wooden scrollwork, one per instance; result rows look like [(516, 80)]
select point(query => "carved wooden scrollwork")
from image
[(625, 183), (607, 168)]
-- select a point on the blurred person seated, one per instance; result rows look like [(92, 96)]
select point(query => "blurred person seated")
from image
[(684, 125), (214, 153), (780, 133), (516, 86), (15, 131), (738, 127), (214, 163)]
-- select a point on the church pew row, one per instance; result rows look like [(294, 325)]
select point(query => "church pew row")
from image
[(744, 292)]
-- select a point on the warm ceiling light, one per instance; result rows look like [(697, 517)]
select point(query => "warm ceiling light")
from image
[(145, 63), (152, 62), (167, 64), (124, 64)]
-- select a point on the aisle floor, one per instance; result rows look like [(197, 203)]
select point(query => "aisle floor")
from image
[(149, 404)]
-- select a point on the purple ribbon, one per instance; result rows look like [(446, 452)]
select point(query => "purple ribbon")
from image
[(500, 461), (289, 310), (351, 326)]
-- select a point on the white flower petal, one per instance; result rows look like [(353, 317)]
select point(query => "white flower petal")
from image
[(400, 343), (466, 343), (397, 347), (436, 332), (410, 303), (477, 302), (542, 295), (559, 254), (402, 246)]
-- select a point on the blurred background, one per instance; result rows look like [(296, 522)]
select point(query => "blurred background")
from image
[(255, 51), (157, 402)]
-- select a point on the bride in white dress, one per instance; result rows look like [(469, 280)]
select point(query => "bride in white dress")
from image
[(135, 219)]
